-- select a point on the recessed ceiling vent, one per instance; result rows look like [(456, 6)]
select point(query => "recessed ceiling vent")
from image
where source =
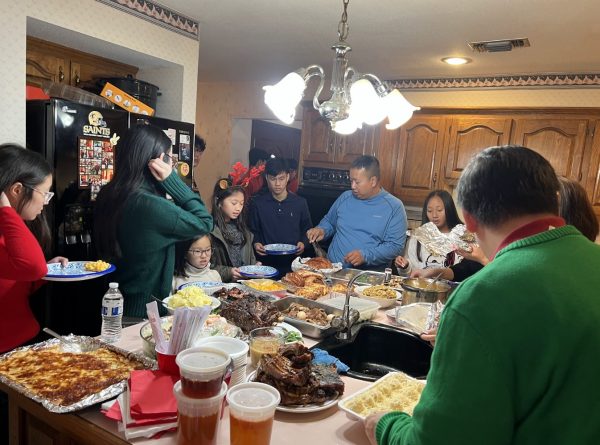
[(496, 46)]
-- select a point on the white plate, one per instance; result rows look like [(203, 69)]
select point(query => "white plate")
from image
[(74, 271), (310, 408), (215, 304), (255, 271), (288, 327), (383, 302), (201, 284)]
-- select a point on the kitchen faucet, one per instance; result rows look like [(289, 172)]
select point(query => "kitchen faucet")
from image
[(346, 321)]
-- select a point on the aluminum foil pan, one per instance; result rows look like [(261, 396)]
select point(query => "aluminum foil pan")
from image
[(441, 244), (106, 394)]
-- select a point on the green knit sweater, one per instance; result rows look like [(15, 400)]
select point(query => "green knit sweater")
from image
[(148, 231), (517, 358)]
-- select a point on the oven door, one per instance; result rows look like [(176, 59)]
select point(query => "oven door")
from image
[(320, 199)]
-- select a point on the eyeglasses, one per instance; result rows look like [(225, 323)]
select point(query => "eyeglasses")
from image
[(198, 252), (47, 195)]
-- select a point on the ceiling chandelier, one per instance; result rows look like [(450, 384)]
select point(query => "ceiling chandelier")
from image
[(356, 98)]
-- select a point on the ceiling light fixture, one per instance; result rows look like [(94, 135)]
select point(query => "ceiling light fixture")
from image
[(456, 60), (356, 98)]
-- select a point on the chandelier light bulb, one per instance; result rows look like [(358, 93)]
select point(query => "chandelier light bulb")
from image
[(366, 102), (283, 97), (348, 125)]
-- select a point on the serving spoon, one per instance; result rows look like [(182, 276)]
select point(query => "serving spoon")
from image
[(68, 345), (430, 285)]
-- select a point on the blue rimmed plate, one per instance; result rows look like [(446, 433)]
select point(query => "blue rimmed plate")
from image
[(74, 271), (258, 271), (281, 249), (201, 284)]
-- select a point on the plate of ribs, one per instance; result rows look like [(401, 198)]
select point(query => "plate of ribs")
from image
[(304, 387), (250, 311)]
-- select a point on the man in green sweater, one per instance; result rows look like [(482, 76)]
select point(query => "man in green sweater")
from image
[(517, 358)]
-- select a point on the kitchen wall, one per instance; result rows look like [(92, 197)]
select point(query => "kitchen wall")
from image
[(220, 106), (89, 25)]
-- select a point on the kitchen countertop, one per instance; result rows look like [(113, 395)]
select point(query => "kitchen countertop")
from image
[(330, 426)]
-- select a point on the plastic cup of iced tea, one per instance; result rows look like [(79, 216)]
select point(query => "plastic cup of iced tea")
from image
[(265, 341), (202, 370), (251, 411), (198, 419)]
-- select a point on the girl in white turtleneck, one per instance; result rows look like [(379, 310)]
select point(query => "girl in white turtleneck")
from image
[(192, 262)]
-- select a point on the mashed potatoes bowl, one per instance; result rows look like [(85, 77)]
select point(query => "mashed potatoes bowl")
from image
[(190, 297)]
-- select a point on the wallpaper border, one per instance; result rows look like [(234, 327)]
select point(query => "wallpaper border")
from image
[(512, 81), (157, 14)]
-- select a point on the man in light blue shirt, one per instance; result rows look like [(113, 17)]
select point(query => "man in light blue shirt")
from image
[(367, 223)]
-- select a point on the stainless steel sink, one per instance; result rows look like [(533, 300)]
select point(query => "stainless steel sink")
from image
[(375, 349)]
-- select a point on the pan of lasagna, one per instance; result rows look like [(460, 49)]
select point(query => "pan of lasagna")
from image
[(68, 381)]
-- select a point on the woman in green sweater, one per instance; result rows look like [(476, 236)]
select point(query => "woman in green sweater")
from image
[(136, 226)]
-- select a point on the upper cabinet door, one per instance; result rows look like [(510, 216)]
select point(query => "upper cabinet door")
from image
[(560, 140), (318, 140), (592, 182), (359, 143), (468, 135), (419, 153)]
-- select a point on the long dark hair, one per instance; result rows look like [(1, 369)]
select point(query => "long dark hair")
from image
[(17, 164), (223, 190), (575, 207), (452, 218), (181, 250), (140, 144)]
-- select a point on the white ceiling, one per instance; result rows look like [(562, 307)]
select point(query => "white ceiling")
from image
[(262, 40)]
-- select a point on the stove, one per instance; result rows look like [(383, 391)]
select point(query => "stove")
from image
[(326, 177)]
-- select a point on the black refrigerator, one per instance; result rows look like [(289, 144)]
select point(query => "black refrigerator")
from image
[(79, 142)]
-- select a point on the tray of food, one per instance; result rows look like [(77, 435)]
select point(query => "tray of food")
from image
[(66, 381), (305, 387), (235, 291), (266, 285), (306, 283), (250, 312), (312, 318), (365, 308), (395, 391), (384, 296), (317, 263)]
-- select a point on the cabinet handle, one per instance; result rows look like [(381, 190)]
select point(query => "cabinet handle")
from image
[(435, 177), (77, 79), (580, 176), (61, 75)]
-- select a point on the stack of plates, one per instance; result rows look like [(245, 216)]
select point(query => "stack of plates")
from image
[(258, 271), (236, 348)]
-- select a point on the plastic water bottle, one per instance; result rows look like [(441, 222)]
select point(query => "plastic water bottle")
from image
[(112, 313)]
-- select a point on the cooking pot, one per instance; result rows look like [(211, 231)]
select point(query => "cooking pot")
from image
[(143, 91), (414, 291)]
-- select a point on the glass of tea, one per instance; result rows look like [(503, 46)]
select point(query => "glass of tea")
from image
[(198, 419), (265, 341), (202, 370), (251, 411)]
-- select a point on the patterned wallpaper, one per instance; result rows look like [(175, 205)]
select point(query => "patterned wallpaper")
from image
[(99, 21)]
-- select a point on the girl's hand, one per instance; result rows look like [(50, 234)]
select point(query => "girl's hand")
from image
[(401, 262), (300, 247), (475, 254), (370, 425), (160, 167), (260, 249), (59, 259), (4, 202), (235, 273)]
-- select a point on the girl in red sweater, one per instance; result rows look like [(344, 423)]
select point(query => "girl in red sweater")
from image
[(25, 181)]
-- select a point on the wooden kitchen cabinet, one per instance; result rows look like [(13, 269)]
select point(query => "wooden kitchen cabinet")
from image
[(468, 135), (49, 61), (322, 147), (592, 183), (561, 140), (419, 154)]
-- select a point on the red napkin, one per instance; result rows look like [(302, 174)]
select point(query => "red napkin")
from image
[(152, 395)]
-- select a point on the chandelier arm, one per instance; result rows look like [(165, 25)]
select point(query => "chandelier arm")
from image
[(380, 86), (315, 71)]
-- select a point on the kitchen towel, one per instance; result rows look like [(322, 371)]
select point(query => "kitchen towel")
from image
[(321, 357)]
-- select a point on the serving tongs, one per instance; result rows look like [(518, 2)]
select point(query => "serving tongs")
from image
[(72, 345), (319, 251)]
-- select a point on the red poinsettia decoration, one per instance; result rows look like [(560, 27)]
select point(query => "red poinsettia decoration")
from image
[(241, 176)]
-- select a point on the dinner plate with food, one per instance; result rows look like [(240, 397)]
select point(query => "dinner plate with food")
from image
[(385, 296), (281, 249), (305, 387), (78, 270), (318, 263)]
